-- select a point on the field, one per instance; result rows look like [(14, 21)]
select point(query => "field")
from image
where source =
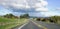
[(6, 23)]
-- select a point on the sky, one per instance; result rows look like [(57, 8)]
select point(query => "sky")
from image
[(39, 8)]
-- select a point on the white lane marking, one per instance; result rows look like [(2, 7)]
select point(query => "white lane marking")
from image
[(22, 26)]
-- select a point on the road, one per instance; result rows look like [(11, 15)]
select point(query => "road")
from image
[(48, 25), (29, 25), (32, 25)]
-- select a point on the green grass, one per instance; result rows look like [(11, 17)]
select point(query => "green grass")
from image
[(6, 23)]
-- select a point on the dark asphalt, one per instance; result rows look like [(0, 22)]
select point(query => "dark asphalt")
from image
[(31, 25), (48, 25)]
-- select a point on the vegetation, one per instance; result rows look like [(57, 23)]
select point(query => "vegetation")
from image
[(24, 16), (9, 21), (52, 19), (55, 19), (38, 19), (10, 16)]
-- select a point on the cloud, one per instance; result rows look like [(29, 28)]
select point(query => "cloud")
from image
[(38, 5), (50, 13), (42, 9), (34, 6), (58, 9), (41, 6), (37, 14)]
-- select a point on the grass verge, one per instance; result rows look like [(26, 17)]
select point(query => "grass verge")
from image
[(6, 23)]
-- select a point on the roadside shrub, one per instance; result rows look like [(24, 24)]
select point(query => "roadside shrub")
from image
[(38, 19)]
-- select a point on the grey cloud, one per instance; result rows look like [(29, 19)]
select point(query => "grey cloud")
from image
[(24, 4)]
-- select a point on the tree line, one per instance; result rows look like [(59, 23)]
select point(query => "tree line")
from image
[(53, 19), (13, 16)]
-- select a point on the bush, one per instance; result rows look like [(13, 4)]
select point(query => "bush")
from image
[(38, 19), (44, 20)]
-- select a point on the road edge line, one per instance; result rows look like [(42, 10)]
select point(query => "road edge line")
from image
[(39, 25)]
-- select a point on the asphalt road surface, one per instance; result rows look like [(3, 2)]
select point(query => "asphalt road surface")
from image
[(48, 25), (31, 25)]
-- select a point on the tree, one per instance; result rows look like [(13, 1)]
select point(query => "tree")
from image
[(55, 19), (9, 15), (24, 16)]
